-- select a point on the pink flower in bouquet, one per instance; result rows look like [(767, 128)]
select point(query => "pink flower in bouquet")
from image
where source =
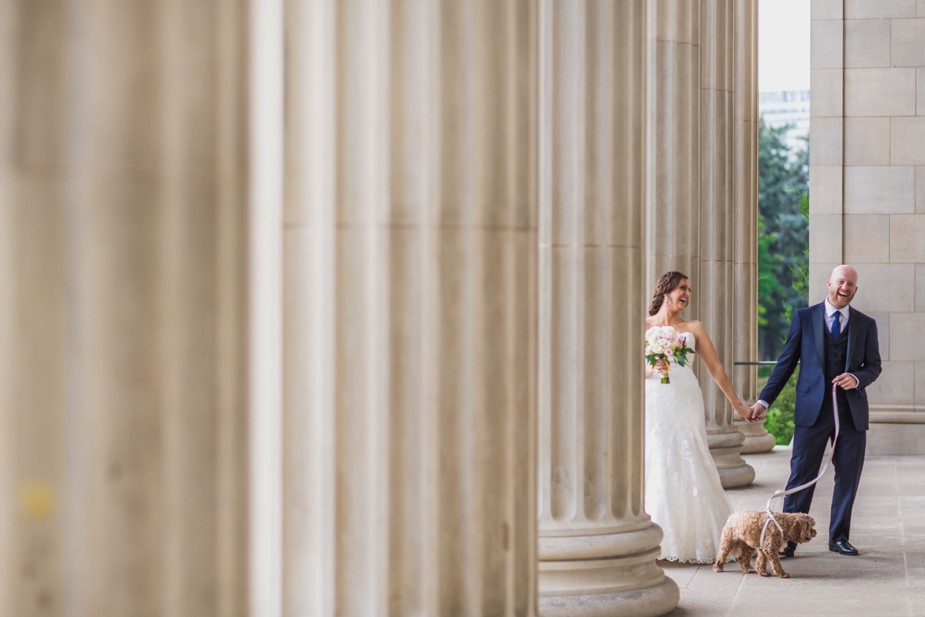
[(664, 342)]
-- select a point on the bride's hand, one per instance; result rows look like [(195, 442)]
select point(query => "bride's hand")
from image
[(661, 366), (744, 412)]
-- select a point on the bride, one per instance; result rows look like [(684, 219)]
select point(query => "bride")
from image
[(683, 491)]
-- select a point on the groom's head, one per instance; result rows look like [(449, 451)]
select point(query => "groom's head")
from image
[(842, 285)]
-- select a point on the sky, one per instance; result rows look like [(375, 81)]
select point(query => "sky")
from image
[(783, 45)]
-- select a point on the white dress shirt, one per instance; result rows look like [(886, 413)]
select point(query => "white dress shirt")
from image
[(830, 317)]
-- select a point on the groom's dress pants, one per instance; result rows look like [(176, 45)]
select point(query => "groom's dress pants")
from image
[(809, 445)]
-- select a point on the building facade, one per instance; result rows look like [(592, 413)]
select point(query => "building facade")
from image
[(788, 108), (320, 308), (867, 191)]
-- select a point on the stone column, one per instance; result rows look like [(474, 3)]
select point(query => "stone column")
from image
[(410, 243), (690, 177), (33, 336), (597, 546), (717, 228), (673, 138), (122, 335), (745, 217)]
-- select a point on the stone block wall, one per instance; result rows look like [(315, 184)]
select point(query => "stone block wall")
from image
[(867, 190)]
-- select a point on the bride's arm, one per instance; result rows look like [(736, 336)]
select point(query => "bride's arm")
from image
[(707, 353)]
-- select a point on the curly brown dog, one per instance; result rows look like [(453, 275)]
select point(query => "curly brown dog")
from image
[(742, 533)]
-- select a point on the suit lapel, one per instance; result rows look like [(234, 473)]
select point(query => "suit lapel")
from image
[(818, 331), (854, 331)]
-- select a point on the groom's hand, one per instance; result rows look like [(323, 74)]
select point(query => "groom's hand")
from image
[(758, 412), (846, 381)]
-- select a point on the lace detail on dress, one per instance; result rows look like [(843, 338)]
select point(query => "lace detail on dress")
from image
[(683, 491)]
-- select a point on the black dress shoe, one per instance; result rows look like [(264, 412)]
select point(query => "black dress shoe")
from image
[(842, 547), (787, 552)]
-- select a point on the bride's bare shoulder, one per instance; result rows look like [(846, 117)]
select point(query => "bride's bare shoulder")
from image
[(695, 326)]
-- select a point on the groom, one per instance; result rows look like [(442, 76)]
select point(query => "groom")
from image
[(834, 344)]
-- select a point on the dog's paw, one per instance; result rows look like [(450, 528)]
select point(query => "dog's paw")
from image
[(785, 575), (717, 567), (764, 573)]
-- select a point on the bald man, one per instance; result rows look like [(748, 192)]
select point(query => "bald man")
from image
[(834, 344)]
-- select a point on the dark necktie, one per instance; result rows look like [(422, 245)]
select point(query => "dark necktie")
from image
[(835, 324)]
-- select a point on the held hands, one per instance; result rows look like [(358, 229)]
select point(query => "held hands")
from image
[(757, 412), (747, 413)]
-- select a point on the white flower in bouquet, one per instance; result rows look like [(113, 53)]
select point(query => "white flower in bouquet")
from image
[(663, 342)]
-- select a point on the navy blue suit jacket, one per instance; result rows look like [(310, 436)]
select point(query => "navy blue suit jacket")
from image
[(806, 345)]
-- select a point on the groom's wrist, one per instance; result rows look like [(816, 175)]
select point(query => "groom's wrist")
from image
[(763, 403)]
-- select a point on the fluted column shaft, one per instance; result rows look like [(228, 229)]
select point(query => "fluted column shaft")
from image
[(745, 216), (692, 48), (717, 228), (409, 309), (673, 137), (597, 546), (123, 379)]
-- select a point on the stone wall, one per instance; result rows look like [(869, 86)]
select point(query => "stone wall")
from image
[(867, 190)]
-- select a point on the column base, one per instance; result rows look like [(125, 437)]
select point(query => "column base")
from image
[(734, 477), (757, 439), (627, 582), (660, 599), (725, 448)]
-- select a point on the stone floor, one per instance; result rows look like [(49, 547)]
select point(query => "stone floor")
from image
[(888, 528)]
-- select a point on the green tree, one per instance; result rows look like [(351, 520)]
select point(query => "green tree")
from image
[(779, 421), (783, 243), (800, 269)]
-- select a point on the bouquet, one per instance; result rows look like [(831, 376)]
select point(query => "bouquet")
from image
[(663, 342)]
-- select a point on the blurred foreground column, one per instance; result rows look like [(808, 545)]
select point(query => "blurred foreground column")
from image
[(410, 245), (597, 546), (122, 329)]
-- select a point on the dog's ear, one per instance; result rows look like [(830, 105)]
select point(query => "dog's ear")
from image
[(807, 529)]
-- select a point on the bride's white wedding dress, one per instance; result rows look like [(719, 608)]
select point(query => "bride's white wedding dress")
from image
[(683, 491)]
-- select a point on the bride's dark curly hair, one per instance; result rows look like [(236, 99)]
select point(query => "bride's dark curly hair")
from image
[(667, 283)]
